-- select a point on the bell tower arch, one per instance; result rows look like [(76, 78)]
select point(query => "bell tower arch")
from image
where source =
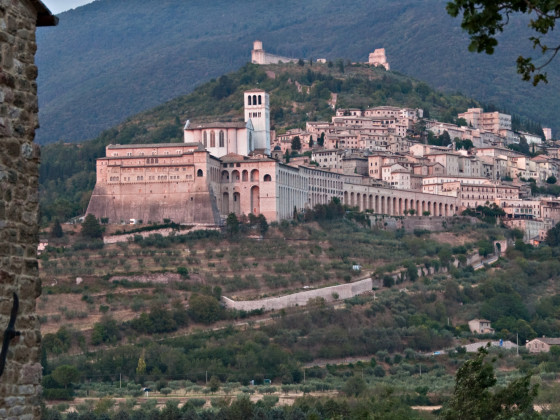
[(257, 109)]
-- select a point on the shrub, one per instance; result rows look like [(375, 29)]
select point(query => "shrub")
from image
[(197, 402), (379, 371), (183, 272)]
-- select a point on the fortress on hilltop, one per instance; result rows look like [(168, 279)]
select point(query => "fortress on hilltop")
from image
[(259, 56), (378, 58)]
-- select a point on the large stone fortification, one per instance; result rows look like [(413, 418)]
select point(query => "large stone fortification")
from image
[(378, 58), (156, 182), (19, 159), (259, 56)]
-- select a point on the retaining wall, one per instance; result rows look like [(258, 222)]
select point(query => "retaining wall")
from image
[(344, 291)]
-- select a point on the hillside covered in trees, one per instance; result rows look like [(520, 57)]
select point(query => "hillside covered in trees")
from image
[(107, 60), (124, 327), (67, 173)]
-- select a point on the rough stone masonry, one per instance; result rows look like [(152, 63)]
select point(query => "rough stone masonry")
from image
[(20, 388)]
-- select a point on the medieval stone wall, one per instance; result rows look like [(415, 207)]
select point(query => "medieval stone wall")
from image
[(19, 159), (180, 187)]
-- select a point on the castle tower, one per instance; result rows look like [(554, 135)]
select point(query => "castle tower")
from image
[(257, 54), (257, 109)]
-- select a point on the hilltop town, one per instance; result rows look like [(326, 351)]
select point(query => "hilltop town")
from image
[(331, 244), (383, 160)]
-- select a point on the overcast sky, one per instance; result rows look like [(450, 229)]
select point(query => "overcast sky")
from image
[(58, 6)]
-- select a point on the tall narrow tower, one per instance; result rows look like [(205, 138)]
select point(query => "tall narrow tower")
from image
[(257, 109)]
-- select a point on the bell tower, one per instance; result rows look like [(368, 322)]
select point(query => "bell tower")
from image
[(257, 109)]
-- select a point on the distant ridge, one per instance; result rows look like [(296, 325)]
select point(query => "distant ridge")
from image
[(107, 61)]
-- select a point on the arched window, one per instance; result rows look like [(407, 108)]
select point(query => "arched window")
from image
[(254, 175), (260, 100), (212, 139), (249, 100), (222, 138), (254, 99), (204, 139), (199, 173), (267, 178)]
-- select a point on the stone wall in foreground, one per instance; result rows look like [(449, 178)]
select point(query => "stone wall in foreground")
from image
[(19, 159)]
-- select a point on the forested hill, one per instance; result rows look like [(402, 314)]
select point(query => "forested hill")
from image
[(68, 170), (107, 60)]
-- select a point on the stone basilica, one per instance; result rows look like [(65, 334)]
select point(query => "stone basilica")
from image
[(226, 167)]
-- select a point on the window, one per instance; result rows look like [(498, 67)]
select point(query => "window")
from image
[(212, 139), (204, 139), (199, 173), (222, 142)]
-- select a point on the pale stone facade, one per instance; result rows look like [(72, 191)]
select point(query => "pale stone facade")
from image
[(323, 185), (489, 121), (221, 138), (328, 158), (259, 56), (379, 58), (395, 202), (185, 184), (257, 110), (480, 326), (153, 182), (542, 345), (20, 380)]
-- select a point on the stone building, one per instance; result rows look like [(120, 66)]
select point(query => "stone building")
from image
[(221, 138), (225, 168), (152, 182), (378, 58), (19, 159), (542, 345), (480, 326), (259, 56), (243, 138)]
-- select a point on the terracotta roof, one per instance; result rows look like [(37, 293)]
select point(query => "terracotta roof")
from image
[(232, 124), (232, 157), (151, 146), (549, 340)]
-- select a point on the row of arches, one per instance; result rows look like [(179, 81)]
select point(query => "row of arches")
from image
[(397, 206), (254, 100), (231, 203), (221, 138), (292, 179), (244, 176)]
